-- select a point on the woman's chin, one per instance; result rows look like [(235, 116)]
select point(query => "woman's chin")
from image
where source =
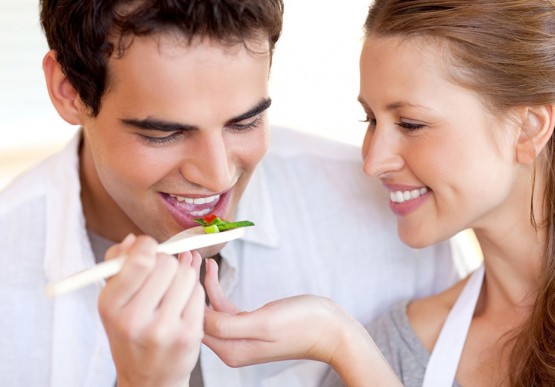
[(414, 240)]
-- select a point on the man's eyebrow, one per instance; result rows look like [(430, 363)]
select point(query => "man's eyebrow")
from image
[(156, 124), (256, 110), (167, 126)]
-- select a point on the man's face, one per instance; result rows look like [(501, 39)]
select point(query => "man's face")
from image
[(180, 131)]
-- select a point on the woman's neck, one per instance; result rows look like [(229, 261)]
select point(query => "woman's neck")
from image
[(513, 260)]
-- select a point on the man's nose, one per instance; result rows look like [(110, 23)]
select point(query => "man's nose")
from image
[(209, 162), (381, 152)]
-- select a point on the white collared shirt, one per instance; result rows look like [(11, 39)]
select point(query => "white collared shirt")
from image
[(45, 342), (322, 227)]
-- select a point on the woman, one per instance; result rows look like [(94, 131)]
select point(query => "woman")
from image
[(459, 98)]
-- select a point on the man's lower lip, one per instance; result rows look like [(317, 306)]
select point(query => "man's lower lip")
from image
[(408, 206)]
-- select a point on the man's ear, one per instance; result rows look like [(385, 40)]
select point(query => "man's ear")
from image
[(63, 95), (537, 128)]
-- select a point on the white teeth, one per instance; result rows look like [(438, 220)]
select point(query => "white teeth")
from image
[(201, 213), (403, 196), (187, 200)]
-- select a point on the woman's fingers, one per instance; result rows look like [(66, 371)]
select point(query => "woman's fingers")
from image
[(244, 325), (237, 353), (217, 298)]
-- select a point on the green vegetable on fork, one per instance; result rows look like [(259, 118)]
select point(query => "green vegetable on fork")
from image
[(213, 224)]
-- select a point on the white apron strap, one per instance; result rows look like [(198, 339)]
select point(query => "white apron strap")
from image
[(445, 357)]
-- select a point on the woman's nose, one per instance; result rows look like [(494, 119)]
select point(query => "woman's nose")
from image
[(381, 152)]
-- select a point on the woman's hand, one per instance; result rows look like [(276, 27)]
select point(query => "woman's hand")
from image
[(152, 312), (302, 327)]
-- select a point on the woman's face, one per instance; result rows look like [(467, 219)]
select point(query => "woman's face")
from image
[(448, 163)]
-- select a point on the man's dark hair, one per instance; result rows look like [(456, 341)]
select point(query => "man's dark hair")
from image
[(85, 33)]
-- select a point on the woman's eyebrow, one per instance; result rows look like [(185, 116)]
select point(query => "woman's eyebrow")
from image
[(395, 105)]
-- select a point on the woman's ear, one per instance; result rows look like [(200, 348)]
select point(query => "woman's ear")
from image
[(63, 95), (536, 130)]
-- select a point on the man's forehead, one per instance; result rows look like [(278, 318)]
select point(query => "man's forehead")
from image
[(198, 84), (172, 41), (173, 48)]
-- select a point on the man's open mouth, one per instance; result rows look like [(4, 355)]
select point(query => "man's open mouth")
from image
[(194, 206), (185, 209)]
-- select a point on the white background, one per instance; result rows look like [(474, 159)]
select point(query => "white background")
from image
[(314, 80)]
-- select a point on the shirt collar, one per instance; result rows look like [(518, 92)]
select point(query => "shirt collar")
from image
[(67, 245), (256, 206), (67, 251)]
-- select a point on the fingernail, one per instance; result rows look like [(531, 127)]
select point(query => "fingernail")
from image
[(128, 240)]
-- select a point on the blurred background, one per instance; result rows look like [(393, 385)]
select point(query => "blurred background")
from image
[(314, 79)]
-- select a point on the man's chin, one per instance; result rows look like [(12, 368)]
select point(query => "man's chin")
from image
[(210, 251)]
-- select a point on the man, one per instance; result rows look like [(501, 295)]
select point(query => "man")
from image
[(171, 98)]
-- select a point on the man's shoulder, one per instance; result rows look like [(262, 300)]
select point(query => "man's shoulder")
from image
[(34, 182), (30, 185), (27, 186)]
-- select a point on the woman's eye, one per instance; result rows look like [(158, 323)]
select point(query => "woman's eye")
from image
[(410, 126), (370, 121)]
